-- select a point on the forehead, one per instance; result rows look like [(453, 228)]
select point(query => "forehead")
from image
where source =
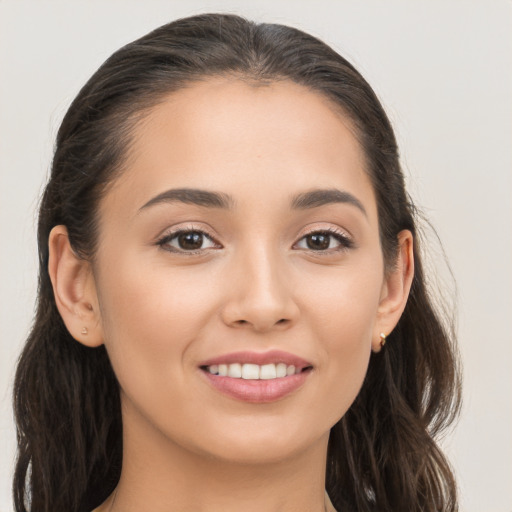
[(230, 135), (215, 109)]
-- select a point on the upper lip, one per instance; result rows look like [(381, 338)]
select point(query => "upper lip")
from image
[(259, 358)]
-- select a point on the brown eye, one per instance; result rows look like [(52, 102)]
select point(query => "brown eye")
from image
[(187, 241), (318, 241), (190, 241), (326, 241)]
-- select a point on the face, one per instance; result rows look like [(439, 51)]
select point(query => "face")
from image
[(242, 239)]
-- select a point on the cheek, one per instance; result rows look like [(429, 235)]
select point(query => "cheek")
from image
[(150, 317), (151, 299), (343, 314), (343, 303)]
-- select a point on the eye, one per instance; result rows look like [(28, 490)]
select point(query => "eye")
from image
[(325, 240), (190, 240)]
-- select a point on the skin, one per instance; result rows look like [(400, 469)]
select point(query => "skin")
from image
[(256, 285)]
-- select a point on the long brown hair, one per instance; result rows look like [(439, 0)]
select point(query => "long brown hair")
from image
[(382, 454)]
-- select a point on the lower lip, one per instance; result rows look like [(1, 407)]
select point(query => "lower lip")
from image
[(258, 391)]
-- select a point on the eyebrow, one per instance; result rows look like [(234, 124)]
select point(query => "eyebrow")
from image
[(316, 198), (209, 199), (195, 196)]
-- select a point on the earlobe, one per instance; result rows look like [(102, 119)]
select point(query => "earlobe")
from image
[(395, 291), (74, 289)]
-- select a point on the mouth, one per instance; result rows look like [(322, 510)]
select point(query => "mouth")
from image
[(249, 371), (257, 377)]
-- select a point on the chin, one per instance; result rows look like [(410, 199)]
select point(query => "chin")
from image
[(263, 445)]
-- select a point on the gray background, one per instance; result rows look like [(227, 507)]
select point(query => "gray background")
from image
[(443, 71)]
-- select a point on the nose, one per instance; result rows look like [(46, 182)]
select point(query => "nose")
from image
[(259, 293)]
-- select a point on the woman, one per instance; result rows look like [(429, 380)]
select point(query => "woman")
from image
[(232, 311)]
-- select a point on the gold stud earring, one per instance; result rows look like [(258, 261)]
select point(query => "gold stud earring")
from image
[(382, 339), (84, 330)]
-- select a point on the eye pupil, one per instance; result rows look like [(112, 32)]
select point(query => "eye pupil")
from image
[(191, 240), (318, 241)]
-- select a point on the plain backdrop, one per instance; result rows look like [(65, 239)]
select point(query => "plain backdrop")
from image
[(443, 72)]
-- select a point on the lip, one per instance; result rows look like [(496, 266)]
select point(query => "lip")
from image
[(258, 391)]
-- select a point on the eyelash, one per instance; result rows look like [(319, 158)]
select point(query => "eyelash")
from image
[(345, 242), (166, 239)]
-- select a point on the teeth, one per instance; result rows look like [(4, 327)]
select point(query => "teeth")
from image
[(235, 370), (268, 371), (253, 371), (250, 371), (280, 370)]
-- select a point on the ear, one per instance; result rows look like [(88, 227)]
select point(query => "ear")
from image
[(395, 290), (74, 290)]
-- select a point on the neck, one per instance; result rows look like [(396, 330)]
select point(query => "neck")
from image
[(162, 476)]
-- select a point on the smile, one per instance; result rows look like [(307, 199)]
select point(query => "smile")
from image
[(257, 377), (253, 371)]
